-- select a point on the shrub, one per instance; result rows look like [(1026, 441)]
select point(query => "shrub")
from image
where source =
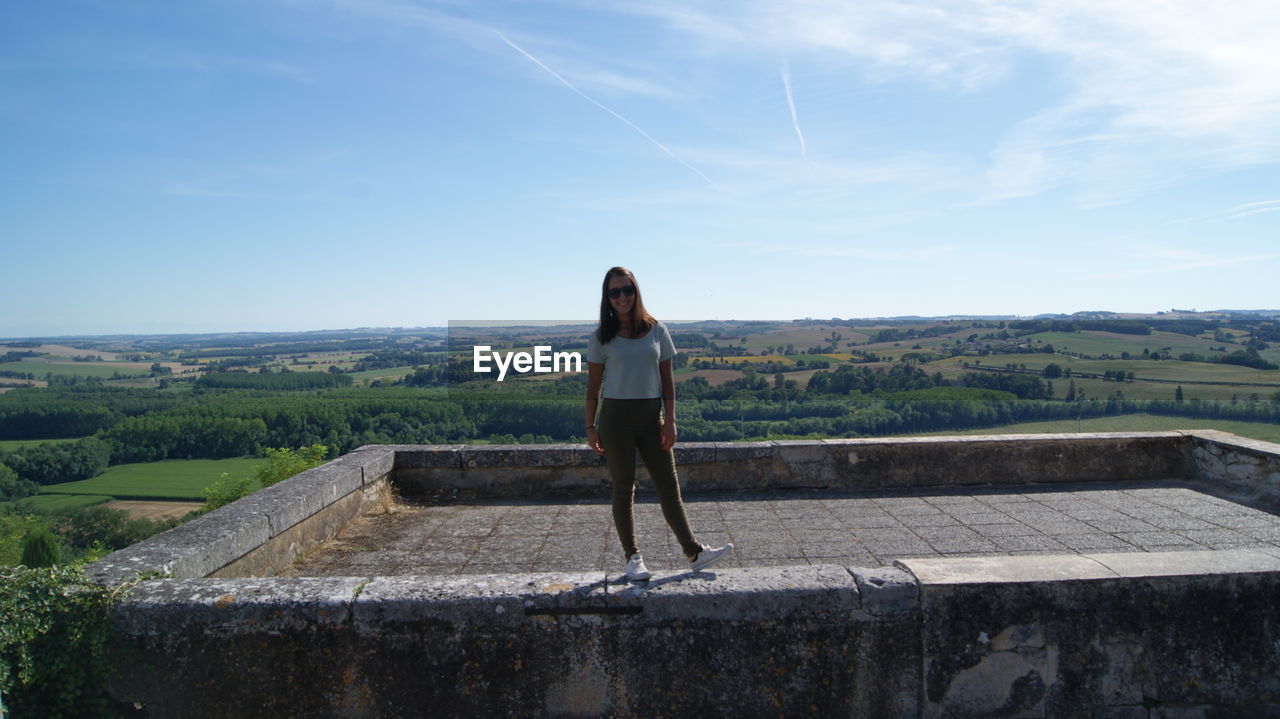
[(225, 491), (86, 527), (284, 463), (14, 487), (53, 643), (41, 549)]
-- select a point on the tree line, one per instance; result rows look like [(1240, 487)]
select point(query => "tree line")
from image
[(238, 425), (282, 381)]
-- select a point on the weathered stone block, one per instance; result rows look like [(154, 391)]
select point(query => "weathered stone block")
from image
[(126, 564), (818, 593), (799, 463), (389, 605), (432, 455), (1004, 570), (743, 451), (689, 453), (1160, 564), (497, 455), (374, 462), (181, 647), (287, 503), (886, 590), (160, 610), (193, 549), (1076, 645)]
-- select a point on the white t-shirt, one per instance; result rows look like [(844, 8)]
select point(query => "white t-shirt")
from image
[(631, 365)]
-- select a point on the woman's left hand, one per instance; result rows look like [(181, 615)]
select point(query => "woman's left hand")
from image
[(668, 438)]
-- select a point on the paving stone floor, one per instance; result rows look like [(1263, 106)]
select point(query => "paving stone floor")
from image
[(869, 528)]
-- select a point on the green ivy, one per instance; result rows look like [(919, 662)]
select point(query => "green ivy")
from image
[(54, 627)]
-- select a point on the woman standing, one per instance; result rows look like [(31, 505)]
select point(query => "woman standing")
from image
[(630, 354)]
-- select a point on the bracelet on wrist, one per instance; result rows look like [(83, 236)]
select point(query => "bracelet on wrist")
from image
[(591, 426)]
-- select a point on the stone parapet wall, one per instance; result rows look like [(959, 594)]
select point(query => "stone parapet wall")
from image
[(795, 641), (1126, 635), (526, 470), (1246, 468), (265, 531), (1112, 635)]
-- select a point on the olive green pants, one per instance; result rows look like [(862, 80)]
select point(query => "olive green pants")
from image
[(628, 425)]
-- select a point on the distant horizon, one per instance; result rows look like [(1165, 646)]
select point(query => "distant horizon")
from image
[(443, 328)]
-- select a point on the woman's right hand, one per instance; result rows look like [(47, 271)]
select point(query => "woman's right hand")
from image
[(593, 441)]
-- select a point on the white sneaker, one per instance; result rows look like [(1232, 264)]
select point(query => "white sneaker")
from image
[(709, 556), (636, 571)]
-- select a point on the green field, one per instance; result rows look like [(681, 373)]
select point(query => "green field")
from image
[(56, 502), (1129, 423), (1096, 343), (103, 370), (802, 338), (1188, 374), (178, 479), (1151, 369)]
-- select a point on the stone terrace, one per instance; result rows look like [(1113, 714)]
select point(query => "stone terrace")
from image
[(795, 527), (873, 578)]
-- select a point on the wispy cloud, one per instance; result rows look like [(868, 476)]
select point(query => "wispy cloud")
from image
[(1153, 92), (1232, 213), (478, 36), (1197, 264), (607, 109), (791, 104), (908, 254), (1253, 208)]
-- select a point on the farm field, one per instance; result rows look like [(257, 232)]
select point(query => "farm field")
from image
[(57, 502), (104, 370), (1148, 369), (1091, 342), (714, 377), (801, 338), (60, 351), (321, 361), (893, 351), (158, 510), (177, 479), (1190, 375), (1128, 423)]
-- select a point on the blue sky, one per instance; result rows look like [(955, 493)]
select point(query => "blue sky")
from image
[(294, 165)]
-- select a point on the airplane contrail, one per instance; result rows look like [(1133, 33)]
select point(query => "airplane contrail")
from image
[(791, 103), (1253, 208), (593, 101)]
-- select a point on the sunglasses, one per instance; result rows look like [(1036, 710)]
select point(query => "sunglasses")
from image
[(617, 292)]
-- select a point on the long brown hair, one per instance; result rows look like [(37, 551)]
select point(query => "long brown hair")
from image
[(641, 320)]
